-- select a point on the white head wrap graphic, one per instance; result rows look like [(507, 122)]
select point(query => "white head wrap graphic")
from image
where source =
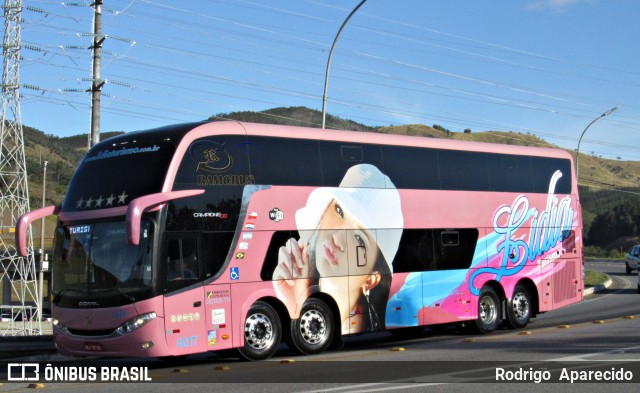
[(370, 197)]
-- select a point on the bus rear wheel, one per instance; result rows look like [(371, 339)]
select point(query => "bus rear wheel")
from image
[(312, 332), (489, 315), (262, 332), (519, 308)]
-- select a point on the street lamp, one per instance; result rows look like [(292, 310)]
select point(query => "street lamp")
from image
[(42, 258), (44, 194), (326, 77), (610, 111)]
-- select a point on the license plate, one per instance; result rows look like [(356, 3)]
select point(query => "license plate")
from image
[(94, 347)]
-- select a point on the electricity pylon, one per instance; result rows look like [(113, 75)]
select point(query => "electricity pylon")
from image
[(19, 301)]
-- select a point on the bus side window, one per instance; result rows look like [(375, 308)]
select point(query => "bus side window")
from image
[(454, 248), (215, 249), (415, 252), (278, 240), (182, 259), (425, 248)]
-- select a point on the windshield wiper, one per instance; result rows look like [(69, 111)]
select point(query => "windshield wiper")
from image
[(56, 297), (112, 290), (126, 295)]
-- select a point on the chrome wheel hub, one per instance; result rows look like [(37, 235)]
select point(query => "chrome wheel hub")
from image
[(313, 327), (258, 331)]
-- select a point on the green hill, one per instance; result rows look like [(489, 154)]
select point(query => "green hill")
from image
[(294, 116), (598, 197)]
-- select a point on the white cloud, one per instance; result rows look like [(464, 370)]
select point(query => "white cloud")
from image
[(552, 5)]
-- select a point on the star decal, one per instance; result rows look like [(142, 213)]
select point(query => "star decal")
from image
[(122, 197), (102, 201)]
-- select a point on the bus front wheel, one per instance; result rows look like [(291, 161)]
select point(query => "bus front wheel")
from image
[(312, 332), (488, 310), (519, 308), (262, 332)]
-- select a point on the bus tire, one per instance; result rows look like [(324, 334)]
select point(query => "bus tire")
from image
[(312, 332), (519, 307), (488, 311), (262, 332)]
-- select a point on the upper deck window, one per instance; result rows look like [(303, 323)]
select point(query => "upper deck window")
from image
[(123, 168)]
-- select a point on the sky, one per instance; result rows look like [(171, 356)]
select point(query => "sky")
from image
[(541, 67)]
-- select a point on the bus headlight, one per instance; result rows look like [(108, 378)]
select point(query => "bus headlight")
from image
[(135, 323), (58, 325)]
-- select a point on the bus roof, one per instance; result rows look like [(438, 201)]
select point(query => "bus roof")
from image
[(235, 127), (192, 131), (151, 158)]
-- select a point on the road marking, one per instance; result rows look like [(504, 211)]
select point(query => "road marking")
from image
[(398, 387), (581, 358), (342, 388), (381, 388)]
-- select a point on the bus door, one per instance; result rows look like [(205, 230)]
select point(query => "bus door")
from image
[(184, 303)]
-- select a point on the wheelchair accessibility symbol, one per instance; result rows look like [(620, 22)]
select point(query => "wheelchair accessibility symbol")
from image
[(235, 273)]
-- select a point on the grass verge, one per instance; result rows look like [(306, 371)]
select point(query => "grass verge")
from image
[(592, 278)]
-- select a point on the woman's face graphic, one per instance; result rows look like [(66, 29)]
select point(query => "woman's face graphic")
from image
[(341, 239)]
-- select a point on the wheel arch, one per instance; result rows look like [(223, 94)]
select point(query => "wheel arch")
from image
[(496, 286), (278, 306)]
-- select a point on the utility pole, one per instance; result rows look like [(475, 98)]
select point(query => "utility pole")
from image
[(96, 81)]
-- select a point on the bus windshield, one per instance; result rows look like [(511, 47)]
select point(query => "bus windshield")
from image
[(94, 262), (100, 181)]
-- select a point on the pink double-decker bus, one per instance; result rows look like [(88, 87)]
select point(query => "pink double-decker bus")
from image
[(219, 235)]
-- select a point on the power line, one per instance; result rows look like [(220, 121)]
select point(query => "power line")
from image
[(303, 52)]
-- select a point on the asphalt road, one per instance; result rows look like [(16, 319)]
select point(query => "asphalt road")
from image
[(600, 333)]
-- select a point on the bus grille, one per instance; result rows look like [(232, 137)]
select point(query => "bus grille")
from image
[(91, 333)]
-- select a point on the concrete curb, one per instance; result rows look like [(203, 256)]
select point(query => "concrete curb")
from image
[(598, 288), (18, 346)]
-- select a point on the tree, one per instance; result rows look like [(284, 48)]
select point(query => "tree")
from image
[(619, 222)]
